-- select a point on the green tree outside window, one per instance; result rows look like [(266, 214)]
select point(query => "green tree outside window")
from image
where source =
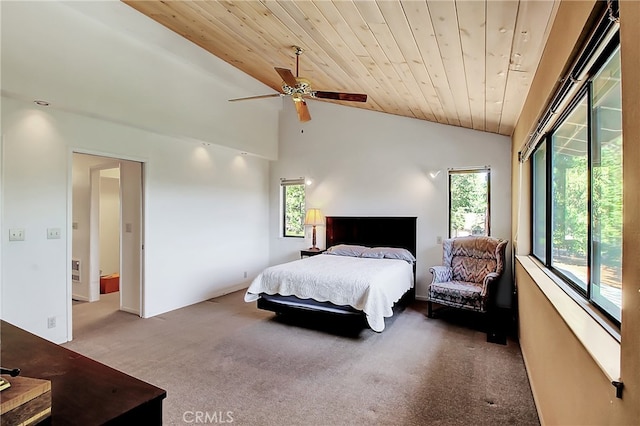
[(469, 203), (294, 210)]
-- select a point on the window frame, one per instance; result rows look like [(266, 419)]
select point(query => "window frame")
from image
[(546, 141), (547, 200)]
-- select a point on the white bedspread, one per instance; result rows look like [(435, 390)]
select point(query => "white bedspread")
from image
[(369, 285)]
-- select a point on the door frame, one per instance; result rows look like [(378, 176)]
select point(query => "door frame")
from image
[(111, 159)]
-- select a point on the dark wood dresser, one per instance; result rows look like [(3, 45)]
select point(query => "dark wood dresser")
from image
[(83, 391)]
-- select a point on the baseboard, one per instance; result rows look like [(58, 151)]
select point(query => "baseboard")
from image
[(79, 298), (228, 290), (213, 295), (422, 298)]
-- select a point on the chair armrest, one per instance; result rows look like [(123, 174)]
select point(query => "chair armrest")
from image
[(441, 274), (488, 279)]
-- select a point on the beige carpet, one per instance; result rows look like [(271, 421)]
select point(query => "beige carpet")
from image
[(229, 360)]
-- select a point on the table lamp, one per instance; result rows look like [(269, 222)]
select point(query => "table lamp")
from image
[(314, 217)]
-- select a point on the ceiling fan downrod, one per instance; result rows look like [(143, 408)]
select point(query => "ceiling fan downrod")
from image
[(298, 51)]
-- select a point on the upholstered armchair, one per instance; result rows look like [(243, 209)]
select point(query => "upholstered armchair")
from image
[(471, 268)]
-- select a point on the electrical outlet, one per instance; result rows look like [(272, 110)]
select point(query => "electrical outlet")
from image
[(53, 233), (245, 274), (51, 322), (16, 234), (438, 240)]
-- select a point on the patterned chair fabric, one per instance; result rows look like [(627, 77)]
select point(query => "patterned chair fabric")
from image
[(469, 266)]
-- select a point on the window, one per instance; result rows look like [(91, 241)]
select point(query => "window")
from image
[(606, 187), (469, 202), (569, 201), (293, 207), (577, 225)]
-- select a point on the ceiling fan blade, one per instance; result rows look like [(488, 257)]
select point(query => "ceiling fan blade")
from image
[(338, 96), (287, 76), (273, 95), (303, 110)]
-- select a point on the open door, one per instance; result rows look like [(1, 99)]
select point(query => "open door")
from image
[(131, 237)]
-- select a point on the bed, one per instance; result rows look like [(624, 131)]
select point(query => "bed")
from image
[(365, 285)]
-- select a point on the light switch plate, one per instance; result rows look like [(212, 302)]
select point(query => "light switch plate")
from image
[(53, 233), (16, 234)]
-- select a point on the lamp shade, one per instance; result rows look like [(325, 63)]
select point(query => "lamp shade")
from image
[(314, 217)]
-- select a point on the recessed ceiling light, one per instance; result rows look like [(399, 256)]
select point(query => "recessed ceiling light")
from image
[(41, 103)]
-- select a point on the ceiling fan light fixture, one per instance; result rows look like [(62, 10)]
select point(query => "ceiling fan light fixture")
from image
[(299, 88)]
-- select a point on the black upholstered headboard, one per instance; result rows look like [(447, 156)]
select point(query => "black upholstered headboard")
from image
[(372, 231)]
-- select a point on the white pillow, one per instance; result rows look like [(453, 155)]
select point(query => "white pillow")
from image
[(389, 253), (346, 250)]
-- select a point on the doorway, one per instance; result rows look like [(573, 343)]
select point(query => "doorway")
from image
[(107, 224)]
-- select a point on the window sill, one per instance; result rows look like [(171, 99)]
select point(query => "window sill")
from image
[(600, 340)]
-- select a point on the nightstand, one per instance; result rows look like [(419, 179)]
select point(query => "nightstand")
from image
[(309, 252)]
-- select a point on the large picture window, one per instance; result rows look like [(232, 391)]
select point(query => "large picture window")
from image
[(577, 225), (569, 203), (469, 202), (606, 187), (293, 207)]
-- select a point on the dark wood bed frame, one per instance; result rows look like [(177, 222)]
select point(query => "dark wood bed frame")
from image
[(367, 231)]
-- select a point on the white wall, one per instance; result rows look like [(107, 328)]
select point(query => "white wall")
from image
[(109, 225), (372, 164), (105, 59), (204, 220), (80, 221)]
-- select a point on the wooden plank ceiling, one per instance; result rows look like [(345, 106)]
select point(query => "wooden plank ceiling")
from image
[(466, 63)]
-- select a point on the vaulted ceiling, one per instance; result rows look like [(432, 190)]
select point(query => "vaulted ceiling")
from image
[(466, 63)]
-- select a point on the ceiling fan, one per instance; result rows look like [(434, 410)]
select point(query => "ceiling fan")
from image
[(300, 88)]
